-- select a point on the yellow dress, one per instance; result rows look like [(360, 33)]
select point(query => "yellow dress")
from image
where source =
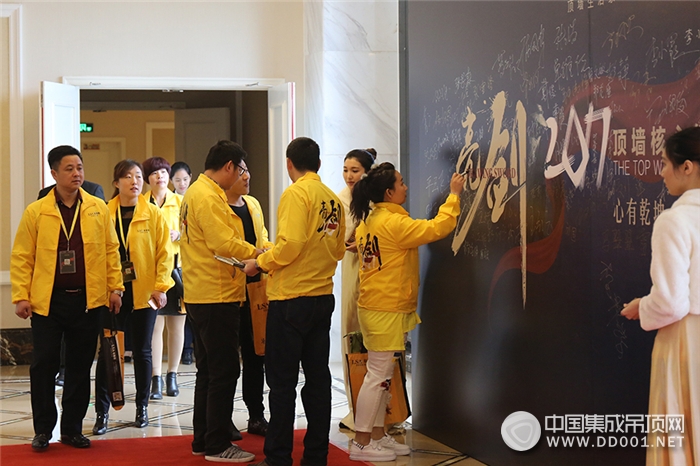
[(675, 379)]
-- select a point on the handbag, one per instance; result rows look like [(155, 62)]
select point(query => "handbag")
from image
[(257, 295), (398, 408), (177, 278), (112, 341)]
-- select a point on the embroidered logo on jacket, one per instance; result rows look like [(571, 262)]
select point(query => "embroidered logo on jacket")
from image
[(329, 217), (183, 221), (368, 248)]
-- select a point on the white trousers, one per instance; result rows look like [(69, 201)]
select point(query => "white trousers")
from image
[(374, 394)]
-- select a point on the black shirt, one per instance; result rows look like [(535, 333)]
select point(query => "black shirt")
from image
[(249, 230), (70, 281), (127, 215)]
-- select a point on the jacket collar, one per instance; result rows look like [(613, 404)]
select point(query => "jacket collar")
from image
[(309, 176), (48, 202), (214, 186), (391, 207), (142, 212), (169, 199)]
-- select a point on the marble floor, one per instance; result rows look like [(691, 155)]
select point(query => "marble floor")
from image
[(173, 416)]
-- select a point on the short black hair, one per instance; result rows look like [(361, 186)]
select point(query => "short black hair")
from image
[(222, 153), (57, 153), (304, 154)]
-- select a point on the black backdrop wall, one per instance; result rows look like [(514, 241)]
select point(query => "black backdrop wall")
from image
[(557, 110)]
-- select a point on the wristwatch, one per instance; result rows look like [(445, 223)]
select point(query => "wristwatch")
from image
[(258, 267), (118, 292)]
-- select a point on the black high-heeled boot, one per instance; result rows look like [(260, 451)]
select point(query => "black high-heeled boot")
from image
[(171, 388), (141, 417), (156, 388)]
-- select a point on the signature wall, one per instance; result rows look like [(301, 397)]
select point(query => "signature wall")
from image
[(557, 112)]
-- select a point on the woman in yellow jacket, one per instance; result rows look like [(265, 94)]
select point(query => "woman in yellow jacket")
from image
[(156, 172), (387, 242), (147, 261)]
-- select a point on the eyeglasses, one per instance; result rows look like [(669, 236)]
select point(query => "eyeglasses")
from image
[(241, 170)]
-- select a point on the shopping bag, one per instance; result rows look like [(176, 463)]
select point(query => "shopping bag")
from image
[(112, 342), (257, 295), (398, 408)]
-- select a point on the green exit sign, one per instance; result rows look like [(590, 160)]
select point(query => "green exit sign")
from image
[(86, 127)]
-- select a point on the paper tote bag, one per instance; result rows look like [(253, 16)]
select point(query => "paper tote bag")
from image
[(112, 343), (398, 408), (257, 294)]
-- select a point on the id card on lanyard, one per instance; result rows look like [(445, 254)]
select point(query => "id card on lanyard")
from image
[(128, 271), (66, 259)]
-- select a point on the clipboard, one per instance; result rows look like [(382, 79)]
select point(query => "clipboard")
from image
[(230, 261)]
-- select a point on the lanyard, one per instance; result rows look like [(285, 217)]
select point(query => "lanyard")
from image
[(125, 240), (72, 227)]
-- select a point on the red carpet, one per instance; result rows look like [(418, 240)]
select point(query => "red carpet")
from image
[(148, 451)]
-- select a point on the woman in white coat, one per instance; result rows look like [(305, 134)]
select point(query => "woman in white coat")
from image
[(357, 162), (673, 308)]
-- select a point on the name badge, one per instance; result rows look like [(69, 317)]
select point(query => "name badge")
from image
[(66, 260), (128, 272)]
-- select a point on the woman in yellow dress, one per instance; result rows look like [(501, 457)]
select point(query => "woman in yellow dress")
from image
[(387, 242), (156, 172)]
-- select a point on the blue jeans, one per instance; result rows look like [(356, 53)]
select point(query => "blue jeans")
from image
[(298, 331)]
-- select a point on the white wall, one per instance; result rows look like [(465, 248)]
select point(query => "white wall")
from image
[(169, 39), (256, 39)]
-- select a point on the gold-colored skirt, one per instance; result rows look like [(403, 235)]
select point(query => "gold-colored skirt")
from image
[(675, 390)]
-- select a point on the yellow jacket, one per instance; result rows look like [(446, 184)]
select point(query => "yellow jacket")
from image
[(310, 241), (209, 227), (149, 249), (262, 238), (33, 261), (171, 212), (387, 242)]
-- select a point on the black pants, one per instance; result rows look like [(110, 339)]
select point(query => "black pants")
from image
[(298, 331), (216, 350), (253, 367), (67, 317), (139, 323)]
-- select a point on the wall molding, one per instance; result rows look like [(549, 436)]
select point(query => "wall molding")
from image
[(14, 14), (172, 84)]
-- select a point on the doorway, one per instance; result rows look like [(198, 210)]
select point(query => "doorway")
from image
[(174, 125)]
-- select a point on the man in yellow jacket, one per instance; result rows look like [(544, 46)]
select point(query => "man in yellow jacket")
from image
[(248, 212), (309, 244), (214, 292), (64, 269)]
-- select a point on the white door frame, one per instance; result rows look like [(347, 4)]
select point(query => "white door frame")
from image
[(171, 84), (185, 84)]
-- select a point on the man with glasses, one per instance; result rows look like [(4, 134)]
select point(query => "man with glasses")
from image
[(213, 294)]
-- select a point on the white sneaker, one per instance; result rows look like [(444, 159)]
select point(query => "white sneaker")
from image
[(370, 452), (233, 454), (389, 443)]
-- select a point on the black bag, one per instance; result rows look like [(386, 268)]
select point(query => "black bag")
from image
[(112, 341), (177, 277)]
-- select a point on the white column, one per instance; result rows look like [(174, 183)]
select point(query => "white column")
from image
[(352, 90)]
